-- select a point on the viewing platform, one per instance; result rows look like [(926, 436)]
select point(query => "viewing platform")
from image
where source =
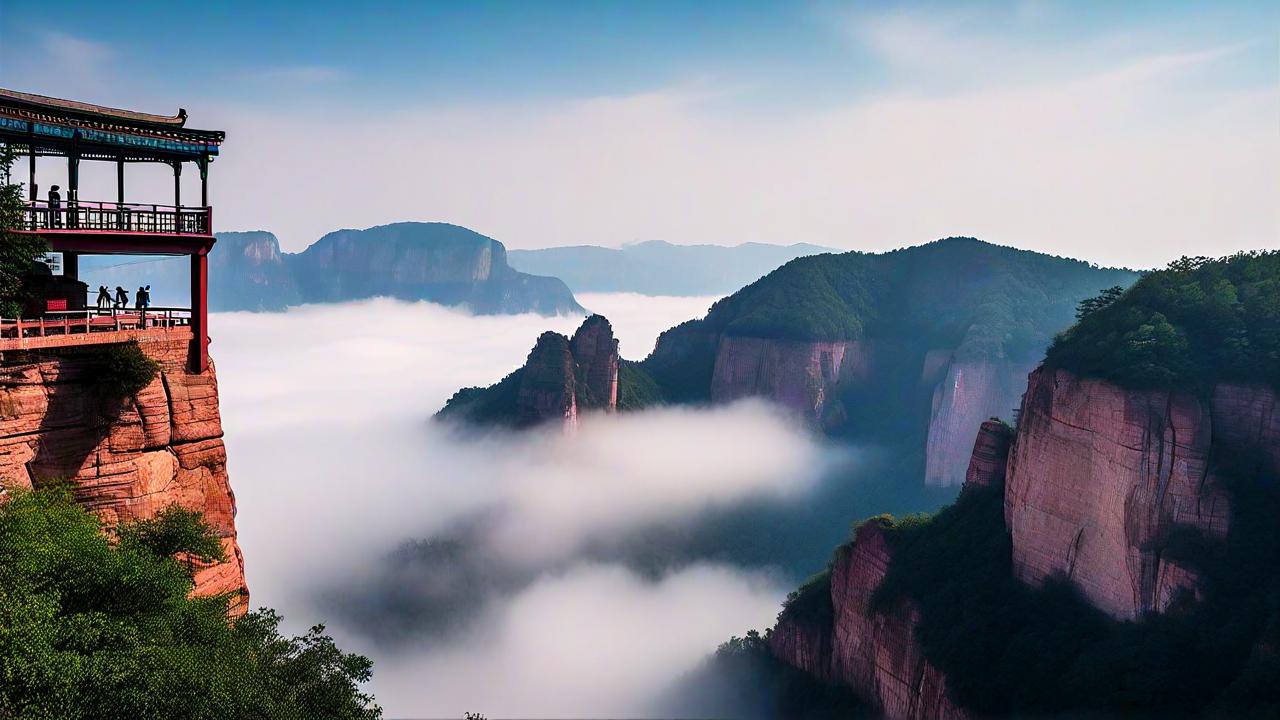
[(69, 328), (55, 313)]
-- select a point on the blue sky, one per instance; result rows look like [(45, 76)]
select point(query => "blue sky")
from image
[(718, 81)]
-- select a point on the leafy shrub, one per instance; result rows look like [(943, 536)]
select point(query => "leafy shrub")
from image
[(122, 370), (94, 629)]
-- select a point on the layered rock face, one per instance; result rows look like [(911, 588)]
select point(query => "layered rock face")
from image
[(128, 460), (563, 376), (970, 392), (800, 376), (873, 651), (1100, 476)]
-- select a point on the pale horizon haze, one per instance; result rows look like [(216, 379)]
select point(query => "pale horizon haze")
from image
[(1120, 135)]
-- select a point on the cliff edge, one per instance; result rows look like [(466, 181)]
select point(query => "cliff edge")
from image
[(131, 458)]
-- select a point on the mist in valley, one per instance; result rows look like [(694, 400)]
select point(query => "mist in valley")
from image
[(532, 574)]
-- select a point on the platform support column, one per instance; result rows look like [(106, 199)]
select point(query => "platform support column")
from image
[(200, 311)]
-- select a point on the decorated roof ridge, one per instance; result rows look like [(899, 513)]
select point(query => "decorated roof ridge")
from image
[(54, 103), (42, 108)]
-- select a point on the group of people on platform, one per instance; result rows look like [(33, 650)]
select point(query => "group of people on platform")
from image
[(141, 299)]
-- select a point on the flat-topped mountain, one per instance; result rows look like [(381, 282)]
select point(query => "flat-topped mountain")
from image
[(437, 262), (660, 268), (913, 347)]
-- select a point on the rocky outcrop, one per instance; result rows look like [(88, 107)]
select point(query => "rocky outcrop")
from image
[(800, 376), (595, 350), (870, 649), (971, 391), (548, 388), (1099, 477), (560, 379), (990, 456), (128, 458)]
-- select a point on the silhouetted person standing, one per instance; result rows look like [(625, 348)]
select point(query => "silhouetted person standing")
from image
[(55, 207), (122, 297), (140, 299), (146, 299), (104, 297)]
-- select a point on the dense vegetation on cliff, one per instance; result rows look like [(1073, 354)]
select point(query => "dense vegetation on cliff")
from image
[(1189, 326), (99, 629), (946, 290)]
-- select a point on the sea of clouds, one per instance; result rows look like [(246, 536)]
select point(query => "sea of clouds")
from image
[(336, 465)]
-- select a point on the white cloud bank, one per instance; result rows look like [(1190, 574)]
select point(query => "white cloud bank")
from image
[(334, 464)]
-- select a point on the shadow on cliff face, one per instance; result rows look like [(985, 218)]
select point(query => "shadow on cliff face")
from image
[(78, 414)]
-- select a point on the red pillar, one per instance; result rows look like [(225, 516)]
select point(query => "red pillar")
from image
[(200, 311)]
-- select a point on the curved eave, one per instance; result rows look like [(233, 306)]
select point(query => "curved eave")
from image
[(61, 106)]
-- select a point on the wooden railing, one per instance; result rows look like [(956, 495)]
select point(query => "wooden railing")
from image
[(92, 320), (91, 216)]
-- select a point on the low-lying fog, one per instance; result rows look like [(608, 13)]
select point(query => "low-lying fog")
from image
[(507, 574)]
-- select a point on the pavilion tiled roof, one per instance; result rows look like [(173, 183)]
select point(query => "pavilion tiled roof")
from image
[(59, 105), (22, 112)]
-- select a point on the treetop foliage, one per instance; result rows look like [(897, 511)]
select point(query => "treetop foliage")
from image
[(986, 298), (96, 629), (1196, 323)]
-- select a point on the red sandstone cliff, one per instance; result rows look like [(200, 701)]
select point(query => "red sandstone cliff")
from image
[(595, 350), (548, 386), (971, 391), (160, 447), (799, 375), (562, 376), (989, 462), (873, 651), (807, 377), (1099, 476), (1095, 479)]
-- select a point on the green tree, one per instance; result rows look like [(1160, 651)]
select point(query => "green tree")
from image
[(17, 250), (103, 629)]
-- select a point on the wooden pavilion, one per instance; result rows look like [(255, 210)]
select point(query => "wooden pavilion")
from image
[(39, 126)]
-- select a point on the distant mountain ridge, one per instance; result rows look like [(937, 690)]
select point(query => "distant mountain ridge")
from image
[(437, 262), (660, 268)]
